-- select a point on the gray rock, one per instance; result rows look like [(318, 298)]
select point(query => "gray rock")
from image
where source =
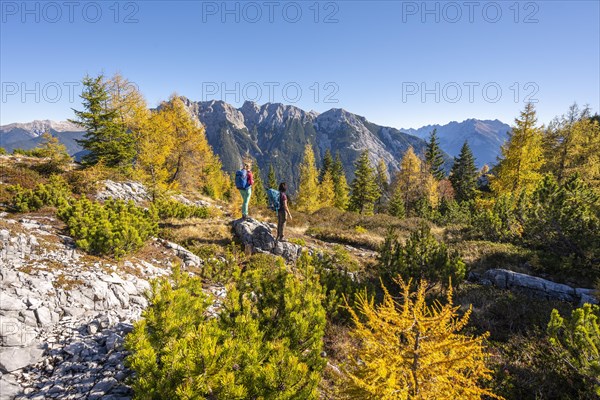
[(93, 327), (15, 333), (121, 294), (33, 303), (189, 258), (9, 387), (103, 387), (15, 358), (44, 316), (258, 237), (128, 190), (113, 340), (506, 279), (29, 318), (10, 303), (587, 298)]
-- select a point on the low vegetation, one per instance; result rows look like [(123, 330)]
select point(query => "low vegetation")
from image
[(114, 228), (265, 342)]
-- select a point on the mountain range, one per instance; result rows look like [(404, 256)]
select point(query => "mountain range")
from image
[(485, 137), (276, 134)]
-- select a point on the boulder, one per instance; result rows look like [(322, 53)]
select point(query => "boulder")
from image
[(506, 279), (258, 237), (189, 258), (15, 358)]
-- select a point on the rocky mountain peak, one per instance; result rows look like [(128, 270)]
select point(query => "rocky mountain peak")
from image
[(38, 127)]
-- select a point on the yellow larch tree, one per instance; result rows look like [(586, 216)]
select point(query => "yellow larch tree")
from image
[(408, 177), (191, 163), (572, 145), (412, 351), (308, 191), (327, 190), (522, 156), (154, 146)]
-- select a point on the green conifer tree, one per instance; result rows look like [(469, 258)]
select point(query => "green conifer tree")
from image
[(327, 165), (383, 185), (464, 175), (105, 138), (364, 189), (396, 206), (433, 156), (272, 178)]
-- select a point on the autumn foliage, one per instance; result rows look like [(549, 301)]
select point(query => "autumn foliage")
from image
[(410, 350)]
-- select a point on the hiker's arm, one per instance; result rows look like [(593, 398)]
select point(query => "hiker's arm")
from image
[(287, 210)]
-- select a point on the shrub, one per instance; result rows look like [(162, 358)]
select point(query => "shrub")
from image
[(264, 343), (2, 151), (500, 222), (452, 212), (86, 180), (55, 193), (360, 230), (114, 228), (174, 209), (422, 257), (563, 220), (577, 340), (338, 275), (527, 368), (35, 152), (219, 269), (298, 241)]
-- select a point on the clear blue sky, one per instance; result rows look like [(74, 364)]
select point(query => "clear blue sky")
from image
[(386, 60)]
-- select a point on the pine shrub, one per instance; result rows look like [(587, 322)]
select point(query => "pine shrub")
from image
[(55, 193), (563, 220), (174, 209), (577, 340), (263, 342), (114, 228), (338, 275), (422, 257)]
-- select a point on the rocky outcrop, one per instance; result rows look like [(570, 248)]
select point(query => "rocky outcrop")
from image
[(64, 314), (258, 237), (505, 279), (128, 190)]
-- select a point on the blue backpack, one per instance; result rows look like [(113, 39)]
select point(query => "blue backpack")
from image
[(241, 179), (274, 198)]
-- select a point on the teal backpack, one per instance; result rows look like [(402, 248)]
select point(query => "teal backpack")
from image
[(274, 199)]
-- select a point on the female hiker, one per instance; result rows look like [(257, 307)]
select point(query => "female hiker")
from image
[(283, 211), (244, 181)]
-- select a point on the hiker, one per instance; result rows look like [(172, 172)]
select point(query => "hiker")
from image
[(283, 211), (244, 182)]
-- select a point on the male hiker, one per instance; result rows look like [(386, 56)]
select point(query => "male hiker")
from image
[(244, 182), (283, 211)]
